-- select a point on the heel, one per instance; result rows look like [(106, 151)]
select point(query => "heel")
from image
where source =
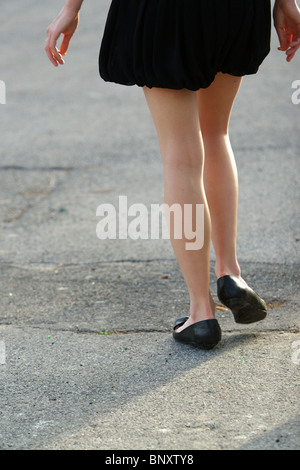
[(205, 334)]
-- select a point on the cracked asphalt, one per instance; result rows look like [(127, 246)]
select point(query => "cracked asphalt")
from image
[(87, 359)]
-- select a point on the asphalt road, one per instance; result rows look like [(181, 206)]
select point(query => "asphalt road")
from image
[(87, 359)]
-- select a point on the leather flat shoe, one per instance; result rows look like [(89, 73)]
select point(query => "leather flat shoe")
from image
[(204, 334), (246, 306)]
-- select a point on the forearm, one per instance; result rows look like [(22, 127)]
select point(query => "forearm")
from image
[(73, 5), (285, 2)]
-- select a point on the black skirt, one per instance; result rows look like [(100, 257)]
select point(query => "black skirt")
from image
[(183, 43)]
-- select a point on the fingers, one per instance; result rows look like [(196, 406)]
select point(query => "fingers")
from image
[(64, 45), (295, 42), (51, 50), (288, 43), (291, 52), (284, 39)]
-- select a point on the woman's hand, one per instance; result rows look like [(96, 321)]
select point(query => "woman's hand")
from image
[(65, 23), (287, 23)]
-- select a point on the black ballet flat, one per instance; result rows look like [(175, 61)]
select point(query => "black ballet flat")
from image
[(204, 334), (246, 306)]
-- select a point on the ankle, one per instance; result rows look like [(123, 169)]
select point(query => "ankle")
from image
[(229, 269), (202, 309)]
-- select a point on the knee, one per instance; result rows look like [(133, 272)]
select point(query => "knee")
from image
[(214, 128), (216, 139), (183, 157)]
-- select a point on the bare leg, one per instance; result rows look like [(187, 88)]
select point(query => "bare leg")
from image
[(175, 115), (220, 175)]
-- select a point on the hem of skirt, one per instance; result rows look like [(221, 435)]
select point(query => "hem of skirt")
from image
[(174, 87)]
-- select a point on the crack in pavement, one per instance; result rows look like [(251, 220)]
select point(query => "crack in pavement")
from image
[(35, 168), (116, 331)]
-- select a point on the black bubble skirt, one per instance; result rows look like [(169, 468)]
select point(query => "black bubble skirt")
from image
[(183, 43)]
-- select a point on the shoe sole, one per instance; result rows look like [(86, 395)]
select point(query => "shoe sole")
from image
[(244, 312), (203, 346)]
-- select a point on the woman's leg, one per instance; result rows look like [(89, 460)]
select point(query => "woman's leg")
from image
[(220, 174), (175, 115), (221, 187)]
